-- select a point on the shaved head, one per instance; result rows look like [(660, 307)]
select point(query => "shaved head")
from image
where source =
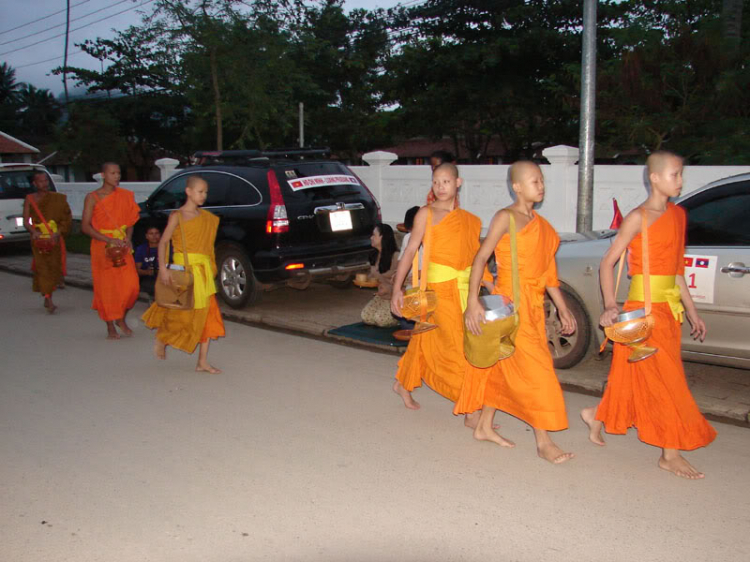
[(659, 159), (518, 170), (107, 165), (195, 181), (448, 167)]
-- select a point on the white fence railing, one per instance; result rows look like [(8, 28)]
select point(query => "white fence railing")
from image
[(485, 188)]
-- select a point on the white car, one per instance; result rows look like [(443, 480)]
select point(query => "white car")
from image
[(15, 185), (717, 272)]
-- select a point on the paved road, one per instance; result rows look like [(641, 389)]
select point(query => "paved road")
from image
[(299, 451)]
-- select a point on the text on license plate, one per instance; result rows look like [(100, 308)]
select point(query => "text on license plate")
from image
[(341, 220)]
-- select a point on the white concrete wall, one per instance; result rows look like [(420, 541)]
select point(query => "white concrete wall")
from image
[(485, 188)]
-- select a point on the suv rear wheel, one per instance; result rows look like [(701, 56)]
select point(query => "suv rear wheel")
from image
[(343, 281), (567, 351), (238, 286)]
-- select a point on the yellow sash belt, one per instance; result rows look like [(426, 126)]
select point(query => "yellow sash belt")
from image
[(438, 273), (663, 289), (203, 279), (43, 229), (118, 233)]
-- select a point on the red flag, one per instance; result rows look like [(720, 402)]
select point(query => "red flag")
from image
[(617, 219)]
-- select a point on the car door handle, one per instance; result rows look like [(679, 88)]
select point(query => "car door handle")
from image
[(736, 269)]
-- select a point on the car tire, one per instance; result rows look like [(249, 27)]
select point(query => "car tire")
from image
[(237, 284), (344, 281), (567, 351)]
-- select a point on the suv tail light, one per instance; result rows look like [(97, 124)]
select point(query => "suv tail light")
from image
[(367, 189), (277, 220)]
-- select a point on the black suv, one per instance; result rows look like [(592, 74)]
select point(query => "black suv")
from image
[(287, 216)]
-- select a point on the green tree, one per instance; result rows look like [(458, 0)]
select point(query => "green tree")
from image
[(38, 114), (9, 99)]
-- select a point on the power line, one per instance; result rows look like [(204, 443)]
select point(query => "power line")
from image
[(42, 18), (62, 24), (48, 60), (76, 29)]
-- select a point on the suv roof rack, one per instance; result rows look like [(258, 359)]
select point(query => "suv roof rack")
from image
[(206, 157)]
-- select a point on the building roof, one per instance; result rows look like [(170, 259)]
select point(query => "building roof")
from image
[(421, 147), (11, 145)]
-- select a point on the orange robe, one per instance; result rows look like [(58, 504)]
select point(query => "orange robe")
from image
[(184, 329), (652, 394), (49, 268), (525, 384), (437, 356), (115, 288)]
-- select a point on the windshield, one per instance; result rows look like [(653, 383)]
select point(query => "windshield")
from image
[(17, 184)]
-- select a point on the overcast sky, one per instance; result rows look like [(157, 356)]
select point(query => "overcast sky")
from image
[(96, 18)]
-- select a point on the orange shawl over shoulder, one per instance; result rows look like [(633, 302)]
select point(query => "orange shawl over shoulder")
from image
[(652, 394), (185, 329), (115, 288), (437, 356), (524, 385)]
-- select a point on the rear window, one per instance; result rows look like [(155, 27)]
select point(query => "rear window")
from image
[(17, 184), (309, 182)]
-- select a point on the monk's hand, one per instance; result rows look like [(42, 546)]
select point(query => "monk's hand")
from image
[(609, 316), (164, 276), (697, 326), (488, 285), (474, 317), (117, 242), (568, 322), (397, 302), (35, 235)]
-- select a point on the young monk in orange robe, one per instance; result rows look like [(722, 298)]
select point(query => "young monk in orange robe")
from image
[(109, 214), (185, 329), (523, 385), (437, 356), (47, 215), (652, 394)]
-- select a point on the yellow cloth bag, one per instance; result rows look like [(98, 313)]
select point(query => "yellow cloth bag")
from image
[(497, 340)]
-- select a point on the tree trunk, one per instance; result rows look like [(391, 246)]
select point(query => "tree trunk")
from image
[(731, 16), (217, 99)]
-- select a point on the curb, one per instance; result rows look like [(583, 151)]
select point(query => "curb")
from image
[(307, 329)]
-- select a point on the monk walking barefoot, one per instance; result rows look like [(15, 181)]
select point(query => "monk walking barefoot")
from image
[(523, 385), (588, 415), (652, 394), (47, 217), (405, 395), (450, 237), (109, 214), (192, 231)]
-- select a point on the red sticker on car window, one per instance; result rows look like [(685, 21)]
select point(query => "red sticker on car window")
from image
[(312, 182)]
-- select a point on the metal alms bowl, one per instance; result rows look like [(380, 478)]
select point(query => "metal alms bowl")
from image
[(631, 327), (496, 307)]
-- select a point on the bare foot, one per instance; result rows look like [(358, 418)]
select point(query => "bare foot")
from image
[(160, 350), (472, 420), (679, 466), (554, 454), (49, 305), (127, 332), (405, 395), (588, 415), (112, 333), (206, 368), (481, 434)]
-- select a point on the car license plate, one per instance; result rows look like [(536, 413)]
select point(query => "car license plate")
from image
[(341, 220), (19, 221)]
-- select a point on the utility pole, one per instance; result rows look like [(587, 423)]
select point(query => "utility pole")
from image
[(584, 216), (301, 125), (65, 58)]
